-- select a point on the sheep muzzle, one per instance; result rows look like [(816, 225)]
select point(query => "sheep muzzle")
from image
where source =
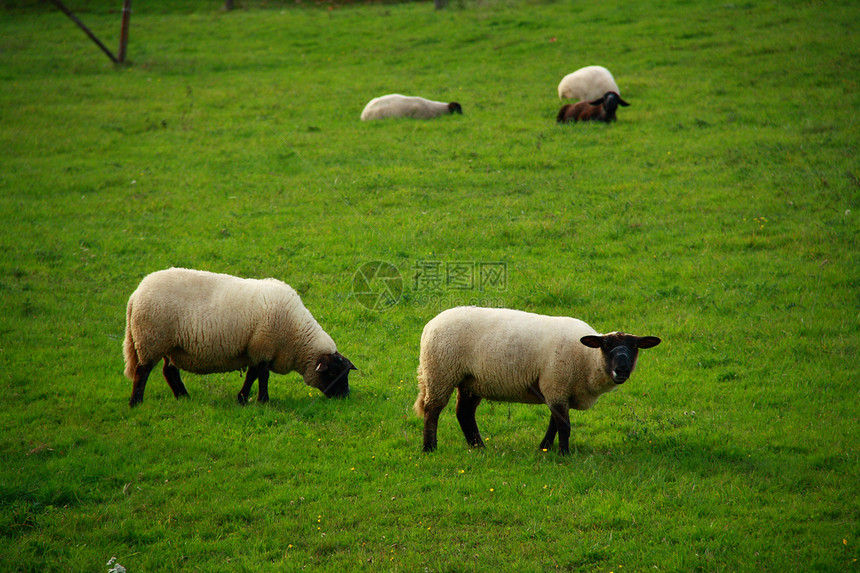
[(620, 364)]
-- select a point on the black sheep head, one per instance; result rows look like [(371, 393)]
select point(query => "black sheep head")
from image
[(610, 102), (333, 375), (620, 351)]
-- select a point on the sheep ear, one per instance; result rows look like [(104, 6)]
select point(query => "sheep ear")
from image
[(592, 341), (347, 361), (647, 341), (321, 366), (596, 102), (621, 102)]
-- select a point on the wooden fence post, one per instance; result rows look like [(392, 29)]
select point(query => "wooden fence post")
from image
[(123, 32)]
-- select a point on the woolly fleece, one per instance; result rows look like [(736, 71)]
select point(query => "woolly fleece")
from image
[(588, 83)]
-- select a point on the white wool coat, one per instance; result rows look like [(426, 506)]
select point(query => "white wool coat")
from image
[(587, 84), (396, 105), (208, 322), (509, 355)]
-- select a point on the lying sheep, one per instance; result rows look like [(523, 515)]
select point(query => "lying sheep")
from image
[(205, 322), (396, 105), (587, 83), (602, 109), (516, 356)]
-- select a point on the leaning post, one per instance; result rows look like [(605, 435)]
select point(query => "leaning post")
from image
[(86, 30)]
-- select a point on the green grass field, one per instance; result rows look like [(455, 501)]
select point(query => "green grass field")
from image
[(721, 213)]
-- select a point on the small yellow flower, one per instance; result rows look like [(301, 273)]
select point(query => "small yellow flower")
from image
[(492, 490)]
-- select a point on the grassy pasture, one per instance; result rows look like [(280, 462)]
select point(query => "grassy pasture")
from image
[(720, 213)]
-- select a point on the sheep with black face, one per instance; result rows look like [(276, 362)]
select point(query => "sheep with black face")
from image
[(514, 356), (396, 105), (206, 322), (602, 109)]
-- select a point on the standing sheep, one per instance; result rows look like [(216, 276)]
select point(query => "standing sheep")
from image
[(515, 356), (602, 109), (396, 105), (205, 322), (587, 83)]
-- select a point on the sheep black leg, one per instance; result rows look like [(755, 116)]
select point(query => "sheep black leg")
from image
[(141, 373), (263, 383), (549, 438), (431, 424), (561, 417), (260, 373), (242, 398), (174, 380), (467, 404)]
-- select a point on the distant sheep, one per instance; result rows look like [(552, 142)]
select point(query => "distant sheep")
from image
[(205, 322), (516, 356), (602, 109), (396, 105), (588, 83)]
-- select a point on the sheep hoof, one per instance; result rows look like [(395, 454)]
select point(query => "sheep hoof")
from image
[(242, 399)]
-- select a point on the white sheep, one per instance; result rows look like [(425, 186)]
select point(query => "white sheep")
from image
[(396, 105), (206, 322), (588, 83), (515, 356)]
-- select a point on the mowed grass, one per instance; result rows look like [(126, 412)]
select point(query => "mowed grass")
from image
[(720, 213)]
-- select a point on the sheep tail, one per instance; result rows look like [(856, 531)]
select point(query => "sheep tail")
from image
[(418, 407), (128, 350)]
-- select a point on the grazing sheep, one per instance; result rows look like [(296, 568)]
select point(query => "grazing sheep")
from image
[(516, 356), (587, 83), (396, 105), (602, 109), (205, 322)]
